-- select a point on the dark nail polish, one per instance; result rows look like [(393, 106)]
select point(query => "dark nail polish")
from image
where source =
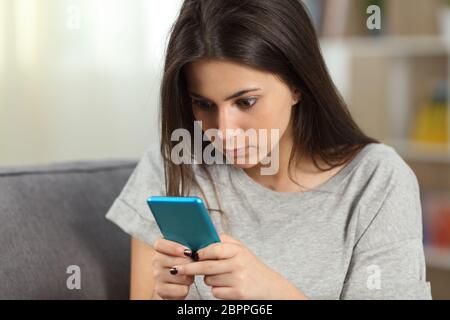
[(195, 256), (173, 270), (187, 252)]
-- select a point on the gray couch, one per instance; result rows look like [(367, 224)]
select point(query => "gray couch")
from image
[(51, 218)]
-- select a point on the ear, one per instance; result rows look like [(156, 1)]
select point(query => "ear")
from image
[(296, 96)]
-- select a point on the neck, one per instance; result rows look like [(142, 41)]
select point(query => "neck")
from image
[(280, 181)]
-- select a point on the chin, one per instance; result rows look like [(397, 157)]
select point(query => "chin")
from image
[(251, 160), (247, 164), (244, 165)]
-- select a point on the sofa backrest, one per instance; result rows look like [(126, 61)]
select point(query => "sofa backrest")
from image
[(53, 229)]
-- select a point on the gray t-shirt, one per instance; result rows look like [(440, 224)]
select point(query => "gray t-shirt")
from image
[(357, 235)]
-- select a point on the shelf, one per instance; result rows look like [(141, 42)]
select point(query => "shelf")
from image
[(422, 151), (390, 46), (437, 257)]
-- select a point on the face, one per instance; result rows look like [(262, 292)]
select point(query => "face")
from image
[(243, 105)]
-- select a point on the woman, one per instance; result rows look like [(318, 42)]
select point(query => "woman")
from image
[(339, 218)]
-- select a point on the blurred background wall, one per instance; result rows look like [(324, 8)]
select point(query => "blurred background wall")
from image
[(79, 79)]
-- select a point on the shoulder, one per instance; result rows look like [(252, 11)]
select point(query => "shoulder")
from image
[(389, 202), (152, 154), (151, 163), (382, 165), (146, 179)]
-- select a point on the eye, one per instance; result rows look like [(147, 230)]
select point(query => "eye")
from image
[(246, 103), (201, 104)]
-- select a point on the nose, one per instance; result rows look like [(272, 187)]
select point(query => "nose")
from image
[(227, 125)]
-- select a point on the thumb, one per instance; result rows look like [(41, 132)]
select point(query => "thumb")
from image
[(226, 238)]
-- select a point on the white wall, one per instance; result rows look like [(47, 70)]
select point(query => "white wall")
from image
[(79, 79)]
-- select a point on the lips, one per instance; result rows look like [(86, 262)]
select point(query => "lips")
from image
[(237, 151)]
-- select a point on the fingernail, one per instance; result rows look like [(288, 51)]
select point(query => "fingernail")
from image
[(187, 252), (195, 256), (173, 270)]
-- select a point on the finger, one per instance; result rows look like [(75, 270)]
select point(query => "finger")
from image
[(167, 277), (205, 267), (172, 291), (217, 251), (227, 238), (164, 260), (171, 248), (225, 293), (220, 280)]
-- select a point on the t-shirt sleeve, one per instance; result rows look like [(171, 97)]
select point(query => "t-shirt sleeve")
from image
[(388, 256), (129, 210)]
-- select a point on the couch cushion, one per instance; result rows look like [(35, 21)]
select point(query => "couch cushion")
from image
[(53, 217)]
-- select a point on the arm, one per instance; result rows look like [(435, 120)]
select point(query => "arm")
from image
[(142, 280), (388, 259)]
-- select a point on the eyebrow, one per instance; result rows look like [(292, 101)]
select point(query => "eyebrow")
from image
[(234, 95)]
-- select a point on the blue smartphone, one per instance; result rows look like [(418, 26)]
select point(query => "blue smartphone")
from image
[(184, 220)]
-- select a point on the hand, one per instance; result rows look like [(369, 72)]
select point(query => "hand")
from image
[(234, 272), (168, 285)]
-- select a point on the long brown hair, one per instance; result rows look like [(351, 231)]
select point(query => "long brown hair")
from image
[(272, 35)]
